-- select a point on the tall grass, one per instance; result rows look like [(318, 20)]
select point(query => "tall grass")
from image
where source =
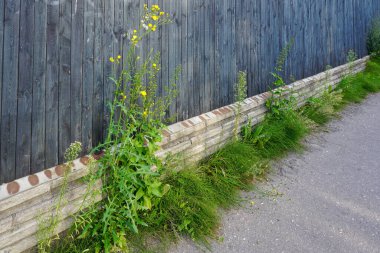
[(356, 88), (191, 206)]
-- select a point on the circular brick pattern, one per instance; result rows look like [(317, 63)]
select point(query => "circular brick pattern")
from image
[(60, 170), (33, 180), (13, 187), (48, 173), (84, 160)]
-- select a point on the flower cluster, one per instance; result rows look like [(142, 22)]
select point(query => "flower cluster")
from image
[(116, 59), (152, 18)]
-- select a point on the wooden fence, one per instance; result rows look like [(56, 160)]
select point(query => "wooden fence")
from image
[(54, 68)]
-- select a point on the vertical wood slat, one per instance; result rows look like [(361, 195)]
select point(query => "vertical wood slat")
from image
[(88, 74), (209, 54), (183, 88), (77, 47), (9, 89), (25, 90), (165, 50), (55, 77), (196, 106), (52, 88), (98, 92), (190, 57), (108, 86), (64, 78), (39, 87)]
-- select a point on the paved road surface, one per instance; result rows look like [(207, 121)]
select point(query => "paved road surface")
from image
[(324, 200)]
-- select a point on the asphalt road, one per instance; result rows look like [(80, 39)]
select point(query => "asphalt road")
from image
[(326, 199)]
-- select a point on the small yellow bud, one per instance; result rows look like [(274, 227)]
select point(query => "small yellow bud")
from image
[(143, 93), (112, 59)]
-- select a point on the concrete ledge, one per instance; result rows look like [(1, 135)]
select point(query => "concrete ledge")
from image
[(22, 200)]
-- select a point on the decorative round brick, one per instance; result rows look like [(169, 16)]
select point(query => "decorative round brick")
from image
[(33, 180), (84, 160), (60, 170), (13, 187), (48, 174)]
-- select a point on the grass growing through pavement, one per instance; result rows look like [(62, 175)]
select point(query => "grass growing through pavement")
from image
[(191, 206)]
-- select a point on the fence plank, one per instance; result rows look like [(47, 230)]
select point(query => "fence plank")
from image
[(39, 87), (190, 57), (52, 70), (10, 83), (88, 75), (184, 88), (98, 95), (25, 91), (109, 18), (209, 54), (64, 77), (196, 18), (77, 47)]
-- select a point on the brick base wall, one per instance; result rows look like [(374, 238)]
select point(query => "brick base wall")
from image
[(21, 201)]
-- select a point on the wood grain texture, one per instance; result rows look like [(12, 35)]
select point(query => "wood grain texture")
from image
[(54, 67), (25, 90), (52, 88), (9, 92), (39, 87), (64, 78)]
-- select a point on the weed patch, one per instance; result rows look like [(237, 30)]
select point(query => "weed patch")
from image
[(189, 200), (281, 135), (356, 88)]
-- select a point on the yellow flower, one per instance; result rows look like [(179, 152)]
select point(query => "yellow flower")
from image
[(155, 7), (162, 13), (145, 113), (135, 39), (155, 17), (143, 93), (134, 31), (154, 28), (112, 59), (150, 25), (119, 57)]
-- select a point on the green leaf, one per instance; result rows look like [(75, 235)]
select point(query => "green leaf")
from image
[(140, 193), (147, 203)]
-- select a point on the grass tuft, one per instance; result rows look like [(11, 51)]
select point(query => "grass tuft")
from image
[(282, 134), (356, 88)]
